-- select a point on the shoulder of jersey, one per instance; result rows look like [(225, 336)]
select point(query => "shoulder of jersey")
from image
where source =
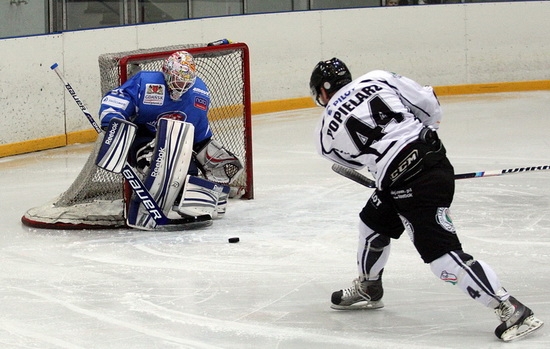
[(200, 88), (150, 75)]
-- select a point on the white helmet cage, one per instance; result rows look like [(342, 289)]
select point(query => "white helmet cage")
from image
[(180, 73)]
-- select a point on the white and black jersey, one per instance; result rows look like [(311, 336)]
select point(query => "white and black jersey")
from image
[(370, 120)]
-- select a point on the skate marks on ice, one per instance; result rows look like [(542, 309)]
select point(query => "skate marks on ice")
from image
[(137, 290)]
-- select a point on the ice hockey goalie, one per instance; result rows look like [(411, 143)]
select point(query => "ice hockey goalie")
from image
[(157, 136)]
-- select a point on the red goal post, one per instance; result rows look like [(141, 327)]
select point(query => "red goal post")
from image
[(95, 198)]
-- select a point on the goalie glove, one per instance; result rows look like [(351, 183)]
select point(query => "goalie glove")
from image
[(218, 164)]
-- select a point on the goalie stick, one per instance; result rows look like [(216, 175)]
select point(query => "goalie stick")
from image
[(78, 101), (369, 183), (127, 171)]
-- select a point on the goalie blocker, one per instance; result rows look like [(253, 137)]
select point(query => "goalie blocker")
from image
[(181, 198)]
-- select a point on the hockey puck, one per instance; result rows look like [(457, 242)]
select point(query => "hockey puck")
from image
[(233, 240)]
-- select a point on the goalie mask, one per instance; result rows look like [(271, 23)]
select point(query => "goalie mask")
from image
[(330, 75), (180, 73)]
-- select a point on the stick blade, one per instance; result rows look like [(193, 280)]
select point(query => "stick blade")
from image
[(353, 175)]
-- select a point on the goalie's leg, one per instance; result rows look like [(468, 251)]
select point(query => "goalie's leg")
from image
[(202, 197), (167, 172)]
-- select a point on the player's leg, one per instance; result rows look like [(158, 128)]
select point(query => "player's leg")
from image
[(164, 168), (478, 280), (202, 197), (378, 216), (165, 162), (431, 228)]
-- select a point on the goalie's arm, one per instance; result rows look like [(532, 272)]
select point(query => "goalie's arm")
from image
[(120, 103)]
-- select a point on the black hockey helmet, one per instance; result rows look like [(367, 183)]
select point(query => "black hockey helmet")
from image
[(330, 75)]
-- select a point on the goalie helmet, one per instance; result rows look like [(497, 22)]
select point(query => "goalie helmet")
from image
[(180, 73), (330, 75)]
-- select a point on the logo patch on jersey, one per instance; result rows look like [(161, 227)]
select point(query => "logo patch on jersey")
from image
[(174, 115), (402, 193), (443, 218), (448, 277), (154, 94), (115, 102), (404, 165), (201, 103)]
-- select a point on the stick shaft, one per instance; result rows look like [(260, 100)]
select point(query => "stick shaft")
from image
[(501, 172), (72, 92), (369, 183)]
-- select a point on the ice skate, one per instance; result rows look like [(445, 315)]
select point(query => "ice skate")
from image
[(361, 295), (517, 320)]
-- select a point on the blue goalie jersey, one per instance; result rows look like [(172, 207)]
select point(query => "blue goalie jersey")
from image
[(145, 98)]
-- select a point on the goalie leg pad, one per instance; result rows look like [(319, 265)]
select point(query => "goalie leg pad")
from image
[(167, 171), (203, 197), (116, 143)]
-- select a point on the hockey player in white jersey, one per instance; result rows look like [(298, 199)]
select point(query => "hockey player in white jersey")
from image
[(388, 124)]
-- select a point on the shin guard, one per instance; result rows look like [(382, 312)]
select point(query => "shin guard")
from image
[(166, 174), (203, 197)]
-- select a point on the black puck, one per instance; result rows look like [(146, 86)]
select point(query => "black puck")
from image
[(233, 240)]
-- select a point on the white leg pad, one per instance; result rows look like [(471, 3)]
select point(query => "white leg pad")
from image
[(167, 172), (203, 197)]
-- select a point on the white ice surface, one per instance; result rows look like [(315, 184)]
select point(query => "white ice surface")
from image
[(134, 289)]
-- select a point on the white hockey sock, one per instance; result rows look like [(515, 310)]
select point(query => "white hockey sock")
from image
[(476, 278), (373, 251)]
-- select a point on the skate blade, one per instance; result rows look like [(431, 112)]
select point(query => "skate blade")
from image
[(359, 306), (529, 325)]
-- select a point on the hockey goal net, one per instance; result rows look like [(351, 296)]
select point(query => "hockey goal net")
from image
[(95, 198)]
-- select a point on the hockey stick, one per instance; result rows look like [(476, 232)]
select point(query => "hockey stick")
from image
[(72, 92), (127, 171), (501, 172), (369, 183), (355, 176)]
